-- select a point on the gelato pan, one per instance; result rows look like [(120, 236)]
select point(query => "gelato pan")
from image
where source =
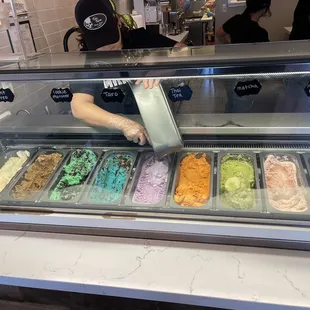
[(112, 177), (11, 167), (194, 181), (36, 176), (237, 182), (152, 183), (74, 175), (285, 190)]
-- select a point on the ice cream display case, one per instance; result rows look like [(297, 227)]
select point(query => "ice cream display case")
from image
[(236, 171)]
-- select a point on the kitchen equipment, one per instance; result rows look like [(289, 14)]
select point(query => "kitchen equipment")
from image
[(158, 120)]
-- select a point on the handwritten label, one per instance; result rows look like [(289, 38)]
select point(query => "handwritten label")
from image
[(6, 95), (307, 90), (112, 95), (248, 88), (180, 93), (61, 95)]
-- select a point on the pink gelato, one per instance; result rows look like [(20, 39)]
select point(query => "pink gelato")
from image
[(152, 183), (284, 192)]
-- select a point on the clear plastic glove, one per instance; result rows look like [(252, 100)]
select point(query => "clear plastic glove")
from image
[(132, 130), (135, 132), (148, 83)]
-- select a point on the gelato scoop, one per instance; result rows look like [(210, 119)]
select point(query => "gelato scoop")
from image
[(284, 192), (193, 188), (237, 182)]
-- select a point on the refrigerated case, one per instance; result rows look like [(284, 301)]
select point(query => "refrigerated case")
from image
[(242, 176)]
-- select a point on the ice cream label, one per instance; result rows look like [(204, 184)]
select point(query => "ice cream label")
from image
[(307, 90), (6, 95), (248, 88), (61, 95), (180, 93), (112, 95)]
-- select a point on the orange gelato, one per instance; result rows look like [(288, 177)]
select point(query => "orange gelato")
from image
[(193, 189)]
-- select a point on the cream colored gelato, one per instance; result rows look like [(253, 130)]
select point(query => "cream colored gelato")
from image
[(284, 192), (11, 167)]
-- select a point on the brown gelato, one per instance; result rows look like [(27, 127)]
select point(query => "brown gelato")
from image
[(36, 176)]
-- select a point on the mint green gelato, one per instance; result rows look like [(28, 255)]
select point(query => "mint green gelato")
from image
[(237, 183)]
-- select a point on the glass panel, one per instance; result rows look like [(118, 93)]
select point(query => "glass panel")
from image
[(245, 155), (207, 56)]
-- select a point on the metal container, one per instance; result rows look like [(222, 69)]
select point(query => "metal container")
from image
[(158, 120), (208, 205), (45, 198), (13, 153), (85, 200), (257, 208), (132, 187), (8, 195), (301, 178), (124, 6)]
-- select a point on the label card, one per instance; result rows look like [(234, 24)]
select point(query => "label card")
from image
[(112, 95), (61, 95), (180, 93), (248, 88), (307, 90), (6, 95)]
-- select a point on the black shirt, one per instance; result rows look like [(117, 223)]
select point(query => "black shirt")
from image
[(301, 24), (132, 39), (142, 38), (242, 29)]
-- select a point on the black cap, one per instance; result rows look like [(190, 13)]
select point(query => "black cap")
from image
[(257, 5), (98, 23)]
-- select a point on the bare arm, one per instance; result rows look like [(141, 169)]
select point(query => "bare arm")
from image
[(222, 36), (84, 108)]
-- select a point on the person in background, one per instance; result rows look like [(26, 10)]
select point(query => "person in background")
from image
[(301, 24), (102, 30), (209, 4), (245, 28)]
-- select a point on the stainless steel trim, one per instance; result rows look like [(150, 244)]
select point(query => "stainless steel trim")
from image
[(124, 73), (236, 233), (191, 124)]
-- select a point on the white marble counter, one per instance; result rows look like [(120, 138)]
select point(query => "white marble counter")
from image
[(211, 275)]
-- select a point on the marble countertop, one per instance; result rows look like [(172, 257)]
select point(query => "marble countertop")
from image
[(199, 274)]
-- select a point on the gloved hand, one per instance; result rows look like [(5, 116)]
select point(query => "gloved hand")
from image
[(135, 132), (132, 130)]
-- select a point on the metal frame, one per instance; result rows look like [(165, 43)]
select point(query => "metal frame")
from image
[(199, 227), (255, 71), (169, 225)]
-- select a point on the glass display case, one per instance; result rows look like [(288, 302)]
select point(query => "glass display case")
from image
[(240, 174)]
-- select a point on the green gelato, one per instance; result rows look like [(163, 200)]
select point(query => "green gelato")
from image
[(237, 183), (74, 175)]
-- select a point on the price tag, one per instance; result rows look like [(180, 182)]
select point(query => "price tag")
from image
[(61, 95), (6, 95), (248, 88), (307, 90), (180, 93), (112, 95)]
